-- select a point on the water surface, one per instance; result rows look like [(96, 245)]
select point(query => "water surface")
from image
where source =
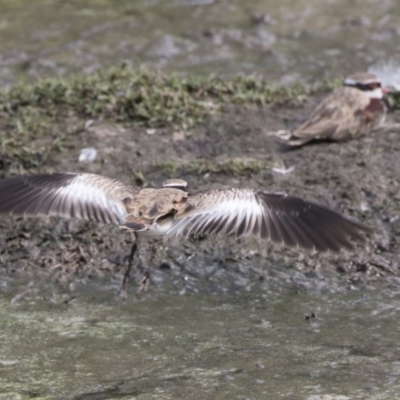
[(243, 346)]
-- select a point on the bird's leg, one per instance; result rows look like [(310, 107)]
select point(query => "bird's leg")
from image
[(143, 283), (125, 282)]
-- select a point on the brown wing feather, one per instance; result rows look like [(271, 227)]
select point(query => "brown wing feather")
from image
[(310, 223), (87, 196), (282, 219)]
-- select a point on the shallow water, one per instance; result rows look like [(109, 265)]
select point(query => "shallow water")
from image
[(283, 40), (202, 347)]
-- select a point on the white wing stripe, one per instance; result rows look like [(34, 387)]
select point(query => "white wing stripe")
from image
[(228, 212), (84, 199)]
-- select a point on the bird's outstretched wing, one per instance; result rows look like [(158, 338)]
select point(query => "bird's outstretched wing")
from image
[(86, 196), (276, 216)]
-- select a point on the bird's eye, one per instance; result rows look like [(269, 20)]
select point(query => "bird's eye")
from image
[(375, 85)]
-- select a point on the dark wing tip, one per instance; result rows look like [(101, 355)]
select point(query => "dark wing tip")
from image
[(84, 196), (27, 194), (296, 222)]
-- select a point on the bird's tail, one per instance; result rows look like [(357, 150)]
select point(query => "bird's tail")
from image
[(287, 138)]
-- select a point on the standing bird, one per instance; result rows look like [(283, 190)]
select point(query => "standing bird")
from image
[(172, 210), (349, 112)]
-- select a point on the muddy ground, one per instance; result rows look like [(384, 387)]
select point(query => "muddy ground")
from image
[(232, 148)]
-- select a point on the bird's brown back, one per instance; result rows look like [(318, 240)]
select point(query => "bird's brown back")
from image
[(151, 204)]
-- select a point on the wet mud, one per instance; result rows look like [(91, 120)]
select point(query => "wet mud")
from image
[(358, 178)]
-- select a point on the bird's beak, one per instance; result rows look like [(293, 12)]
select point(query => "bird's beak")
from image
[(385, 90)]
